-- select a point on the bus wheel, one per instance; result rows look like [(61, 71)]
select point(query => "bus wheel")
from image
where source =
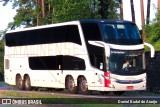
[(19, 82), (118, 92), (71, 85), (27, 83), (83, 86)]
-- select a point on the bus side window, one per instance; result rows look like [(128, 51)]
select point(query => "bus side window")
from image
[(72, 34), (92, 32)]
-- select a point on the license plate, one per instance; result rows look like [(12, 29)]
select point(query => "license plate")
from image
[(130, 87)]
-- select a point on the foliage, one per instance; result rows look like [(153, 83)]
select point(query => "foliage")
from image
[(1, 55), (40, 12), (153, 32), (108, 9), (74, 10)]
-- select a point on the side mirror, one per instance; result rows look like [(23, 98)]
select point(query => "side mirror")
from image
[(151, 48)]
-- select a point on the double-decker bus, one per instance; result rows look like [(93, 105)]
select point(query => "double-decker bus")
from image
[(80, 56)]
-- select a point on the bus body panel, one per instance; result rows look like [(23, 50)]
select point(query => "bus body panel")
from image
[(49, 64)]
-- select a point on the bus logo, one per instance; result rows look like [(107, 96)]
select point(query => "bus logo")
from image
[(6, 101)]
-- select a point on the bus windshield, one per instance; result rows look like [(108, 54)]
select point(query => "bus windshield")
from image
[(121, 34), (127, 62)]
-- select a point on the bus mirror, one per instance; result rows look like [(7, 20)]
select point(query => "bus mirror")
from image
[(151, 48), (95, 43)]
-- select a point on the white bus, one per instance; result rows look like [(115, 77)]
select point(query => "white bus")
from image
[(80, 56)]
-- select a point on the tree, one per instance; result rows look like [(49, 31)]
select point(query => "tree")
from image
[(108, 9), (153, 32), (67, 10), (26, 13), (41, 12)]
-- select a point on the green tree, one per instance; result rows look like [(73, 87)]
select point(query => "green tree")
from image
[(40, 12), (66, 10), (153, 32), (108, 9)]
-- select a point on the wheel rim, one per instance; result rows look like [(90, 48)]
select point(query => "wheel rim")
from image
[(27, 83), (71, 84), (84, 85), (19, 82)]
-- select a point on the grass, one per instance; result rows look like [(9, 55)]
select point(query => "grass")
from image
[(21, 94), (53, 99), (50, 98)]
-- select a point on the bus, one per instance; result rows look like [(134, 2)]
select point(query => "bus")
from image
[(80, 56)]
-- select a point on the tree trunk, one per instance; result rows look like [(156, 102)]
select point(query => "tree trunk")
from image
[(121, 9), (142, 20), (158, 5), (132, 11), (148, 11), (102, 9), (43, 8)]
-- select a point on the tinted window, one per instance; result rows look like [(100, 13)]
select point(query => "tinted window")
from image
[(45, 62), (73, 63), (72, 35), (123, 34), (44, 36), (56, 63), (91, 31), (127, 62)]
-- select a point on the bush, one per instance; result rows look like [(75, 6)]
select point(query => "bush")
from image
[(153, 32), (1, 56)]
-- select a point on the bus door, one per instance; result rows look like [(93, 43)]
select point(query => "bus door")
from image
[(59, 70), (99, 63)]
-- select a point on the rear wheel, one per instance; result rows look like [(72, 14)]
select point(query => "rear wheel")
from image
[(83, 85), (19, 82), (71, 85), (27, 83)]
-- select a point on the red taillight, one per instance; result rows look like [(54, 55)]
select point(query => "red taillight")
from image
[(107, 74), (107, 81)]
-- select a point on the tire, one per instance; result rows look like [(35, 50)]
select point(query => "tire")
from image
[(83, 86), (27, 83), (119, 93), (70, 85), (19, 82)]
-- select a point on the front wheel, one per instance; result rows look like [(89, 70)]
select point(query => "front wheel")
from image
[(83, 85)]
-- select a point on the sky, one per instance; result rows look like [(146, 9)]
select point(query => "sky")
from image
[(7, 13)]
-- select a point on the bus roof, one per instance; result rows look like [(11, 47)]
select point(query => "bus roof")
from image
[(104, 21), (70, 23), (44, 26)]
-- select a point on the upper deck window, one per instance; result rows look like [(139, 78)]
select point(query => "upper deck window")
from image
[(122, 34), (59, 34)]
